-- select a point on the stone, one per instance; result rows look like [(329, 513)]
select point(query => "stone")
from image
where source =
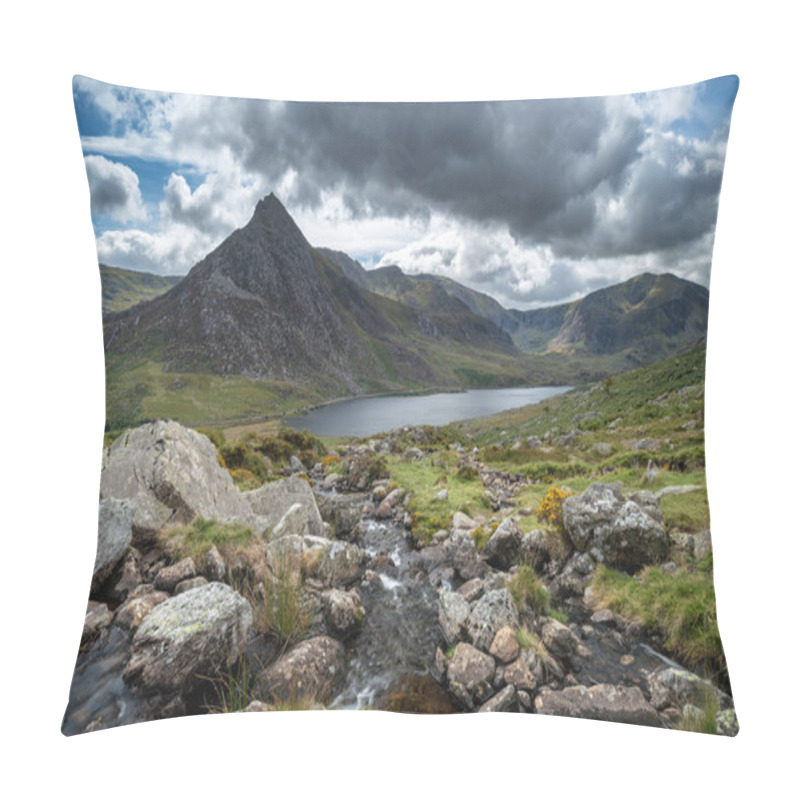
[(272, 500), (384, 510), (114, 533), (453, 616), (97, 619), (293, 522), (604, 617), (342, 512), (503, 701), (461, 523), (602, 448), (559, 639), (169, 473), (169, 577), (341, 563), (124, 579), (333, 481), (296, 465), (472, 589), (190, 583), (505, 646), (502, 549), (133, 611), (469, 675), (215, 565), (493, 611), (647, 444), (601, 702), (677, 687), (343, 611), (395, 496), (441, 496), (466, 561), (311, 670), (614, 530), (188, 637), (525, 672), (702, 545)]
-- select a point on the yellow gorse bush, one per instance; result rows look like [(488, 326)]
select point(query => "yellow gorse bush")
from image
[(551, 509)]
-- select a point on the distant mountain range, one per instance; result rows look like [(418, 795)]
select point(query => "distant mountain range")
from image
[(267, 305)]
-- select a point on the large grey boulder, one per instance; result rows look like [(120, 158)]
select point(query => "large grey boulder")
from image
[(602, 702), (502, 549), (613, 530), (469, 675), (493, 611), (342, 512), (311, 670), (272, 500), (113, 538), (189, 637), (170, 474)]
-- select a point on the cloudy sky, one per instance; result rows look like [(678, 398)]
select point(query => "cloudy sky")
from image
[(531, 202)]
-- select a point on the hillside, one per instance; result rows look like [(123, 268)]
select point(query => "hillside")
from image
[(123, 288)]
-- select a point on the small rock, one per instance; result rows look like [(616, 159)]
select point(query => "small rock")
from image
[(169, 577), (505, 646), (502, 701), (190, 583)]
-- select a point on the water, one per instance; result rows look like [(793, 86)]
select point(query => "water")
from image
[(366, 416)]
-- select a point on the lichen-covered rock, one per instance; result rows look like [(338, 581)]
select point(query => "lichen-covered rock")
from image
[(170, 474), (602, 702), (273, 500), (472, 589), (341, 563), (312, 669), (169, 577), (525, 672), (343, 611), (614, 530), (215, 565), (113, 538), (453, 616), (462, 523), (189, 637), (677, 687), (494, 610), (469, 675), (466, 561), (533, 549), (293, 522), (502, 549), (190, 583)]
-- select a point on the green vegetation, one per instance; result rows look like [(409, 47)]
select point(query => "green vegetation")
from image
[(197, 538), (123, 288), (285, 612), (702, 720), (526, 639), (680, 607), (686, 512), (527, 590)]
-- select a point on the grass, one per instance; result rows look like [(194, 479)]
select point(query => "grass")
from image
[(199, 536), (284, 612), (680, 607), (686, 512), (702, 720), (527, 590)]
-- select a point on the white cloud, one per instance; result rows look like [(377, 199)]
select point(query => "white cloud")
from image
[(114, 189)]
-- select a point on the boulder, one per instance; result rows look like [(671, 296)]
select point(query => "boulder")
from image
[(97, 619), (677, 687), (559, 639), (462, 523), (189, 637), (494, 610), (601, 702), (113, 538), (466, 561), (293, 522), (533, 549), (133, 611), (273, 500), (472, 589), (525, 673), (215, 565), (343, 611), (342, 512), (340, 563), (453, 616), (125, 577), (469, 675), (169, 577), (503, 701), (614, 530), (505, 646), (312, 669), (190, 583), (502, 549), (170, 474)]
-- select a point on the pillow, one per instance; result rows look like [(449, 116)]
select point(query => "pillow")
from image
[(404, 407)]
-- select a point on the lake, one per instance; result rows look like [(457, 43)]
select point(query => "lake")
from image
[(366, 416)]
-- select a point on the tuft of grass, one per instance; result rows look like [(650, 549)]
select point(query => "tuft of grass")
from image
[(481, 536), (285, 612), (198, 537), (527, 590), (560, 616), (680, 607), (526, 640), (232, 689), (702, 720)]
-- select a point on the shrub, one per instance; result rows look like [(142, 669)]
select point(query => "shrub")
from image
[(551, 509), (481, 537), (243, 457), (466, 472)]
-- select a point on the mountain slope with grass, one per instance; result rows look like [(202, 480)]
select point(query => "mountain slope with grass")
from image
[(123, 288)]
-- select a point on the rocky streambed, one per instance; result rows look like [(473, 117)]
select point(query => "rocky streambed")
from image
[(388, 626)]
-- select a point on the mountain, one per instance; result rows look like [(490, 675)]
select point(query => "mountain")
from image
[(266, 305), (123, 288)]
